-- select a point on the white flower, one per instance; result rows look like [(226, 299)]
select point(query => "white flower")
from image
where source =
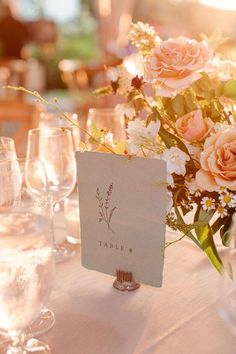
[(113, 73), (125, 110), (176, 160), (170, 180), (152, 130), (224, 69), (221, 211), (135, 129), (208, 203), (124, 78), (194, 188), (138, 134), (218, 127), (194, 151), (133, 148), (228, 199), (169, 201)]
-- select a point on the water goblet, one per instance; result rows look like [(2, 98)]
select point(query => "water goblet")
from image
[(54, 148), (26, 274), (19, 182)]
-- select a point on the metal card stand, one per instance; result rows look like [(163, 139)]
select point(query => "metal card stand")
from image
[(124, 281)]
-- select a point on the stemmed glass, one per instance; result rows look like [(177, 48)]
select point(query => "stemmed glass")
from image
[(20, 180), (109, 120), (26, 274), (50, 119), (54, 148), (7, 148)]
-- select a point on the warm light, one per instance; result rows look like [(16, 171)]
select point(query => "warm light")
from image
[(134, 65), (104, 7), (220, 4), (124, 26)]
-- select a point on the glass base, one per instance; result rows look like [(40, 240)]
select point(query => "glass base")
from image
[(43, 323), (73, 240), (62, 252), (30, 346)]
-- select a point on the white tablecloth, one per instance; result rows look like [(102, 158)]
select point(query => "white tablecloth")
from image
[(179, 318)]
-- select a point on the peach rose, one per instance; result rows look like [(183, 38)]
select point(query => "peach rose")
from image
[(175, 64), (218, 162), (193, 127)]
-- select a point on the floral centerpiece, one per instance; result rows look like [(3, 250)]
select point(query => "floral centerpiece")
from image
[(180, 107)]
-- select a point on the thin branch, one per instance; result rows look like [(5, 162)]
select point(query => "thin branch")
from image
[(57, 108), (177, 240)]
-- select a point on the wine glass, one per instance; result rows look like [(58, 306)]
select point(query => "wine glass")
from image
[(50, 119), (54, 148), (109, 120), (7, 148), (19, 181), (26, 274), (10, 182)]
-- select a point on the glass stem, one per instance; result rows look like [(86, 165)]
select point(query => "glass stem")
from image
[(17, 338), (53, 205)]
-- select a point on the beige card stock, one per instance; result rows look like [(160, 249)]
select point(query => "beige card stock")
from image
[(122, 214)]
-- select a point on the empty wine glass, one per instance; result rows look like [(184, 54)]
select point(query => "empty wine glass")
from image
[(26, 274), (7, 148), (54, 148), (50, 119), (109, 120)]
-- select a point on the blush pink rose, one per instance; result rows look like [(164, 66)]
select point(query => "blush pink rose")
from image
[(193, 127), (175, 64), (218, 162)]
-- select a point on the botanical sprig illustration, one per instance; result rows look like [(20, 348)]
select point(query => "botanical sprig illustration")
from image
[(105, 212)]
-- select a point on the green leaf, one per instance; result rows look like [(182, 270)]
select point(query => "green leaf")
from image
[(205, 237), (190, 101), (181, 221), (225, 231), (219, 90), (204, 83), (218, 224), (230, 89), (178, 105)]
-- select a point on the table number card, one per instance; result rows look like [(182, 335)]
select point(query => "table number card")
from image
[(122, 214)]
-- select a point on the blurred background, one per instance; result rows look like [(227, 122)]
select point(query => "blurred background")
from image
[(60, 47)]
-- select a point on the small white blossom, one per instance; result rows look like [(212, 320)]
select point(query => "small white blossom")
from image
[(221, 211), (138, 134), (170, 180), (133, 148), (218, 127), (113, 73), (169, 201), (126, 110), (228, 199), (176, 160), (208, 203), (152, 130), (123, 77), (193, 188), (135, 129)]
